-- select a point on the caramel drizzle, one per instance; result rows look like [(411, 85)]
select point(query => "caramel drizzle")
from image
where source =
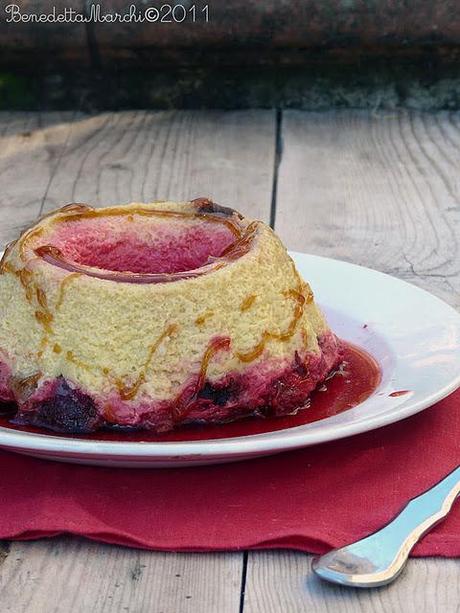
[(5, 266), (67, 208), (243, 243), (64, 283), (89, 212), (41, 298), (128, 392), (247, 302), (201, 319), (26, 237), (71, 357), (42, 314), (214, 347), (23, 388), (45, 320), (182, 404), (267, 335)]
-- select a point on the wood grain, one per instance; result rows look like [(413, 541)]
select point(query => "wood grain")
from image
[(382, 191), (71, 575), (282, 581), (31, 146), (142, 156)]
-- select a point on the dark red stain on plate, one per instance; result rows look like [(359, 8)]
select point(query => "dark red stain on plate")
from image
[(398, 393), (352, 383)]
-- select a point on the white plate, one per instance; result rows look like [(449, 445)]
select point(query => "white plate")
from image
[(414, 336)]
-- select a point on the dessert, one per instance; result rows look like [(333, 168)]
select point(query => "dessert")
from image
[(156, 315)]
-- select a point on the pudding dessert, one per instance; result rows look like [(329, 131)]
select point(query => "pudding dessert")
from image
[(155, 315)]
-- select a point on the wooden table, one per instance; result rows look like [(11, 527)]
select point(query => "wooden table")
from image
[(379, 189)]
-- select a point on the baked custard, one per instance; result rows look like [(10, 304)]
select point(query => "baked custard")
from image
[(151, 316)]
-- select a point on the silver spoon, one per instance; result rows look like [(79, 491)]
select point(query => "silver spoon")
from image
[(380, 557)]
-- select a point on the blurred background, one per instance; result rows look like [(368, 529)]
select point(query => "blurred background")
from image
[(305, 54)]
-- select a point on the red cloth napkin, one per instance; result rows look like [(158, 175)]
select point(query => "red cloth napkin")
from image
[(311, 499)]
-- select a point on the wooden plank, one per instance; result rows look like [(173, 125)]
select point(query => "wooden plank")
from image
[(31, 145), (382, 191), (115, 158), (282, 581), (72, 575), (106, 159)]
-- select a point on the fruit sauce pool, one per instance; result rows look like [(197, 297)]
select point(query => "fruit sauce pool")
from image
[(358, 376)]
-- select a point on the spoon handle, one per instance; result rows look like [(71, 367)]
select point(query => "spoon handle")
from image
[(379, 558)]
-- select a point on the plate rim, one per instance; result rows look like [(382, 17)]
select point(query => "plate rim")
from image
[(234, 447)]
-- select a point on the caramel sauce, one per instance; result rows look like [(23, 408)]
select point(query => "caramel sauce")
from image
[(26, 237), (243, 243), (57, 348), (88, 213), (64, 283), (41, 298), (5, 266), (256, 351), (185, 398), (247, 302), (25, 278), (23, 388), (44, 316), (297, 294), (45, 320), (73, 207), (201, 319), (42, 346), (214, 347), (128, 392), (304, 336), (267, 335), (70, 357)]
